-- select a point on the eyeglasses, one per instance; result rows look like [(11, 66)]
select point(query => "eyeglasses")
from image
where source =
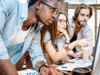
[(62, 20)]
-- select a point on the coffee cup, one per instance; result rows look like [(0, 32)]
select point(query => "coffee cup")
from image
[(85, 53), (81, 71)]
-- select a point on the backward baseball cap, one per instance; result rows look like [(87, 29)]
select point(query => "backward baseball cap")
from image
[(51, 3)]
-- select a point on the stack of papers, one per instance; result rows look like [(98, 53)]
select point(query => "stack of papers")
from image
[(28, 72), (74, 63)]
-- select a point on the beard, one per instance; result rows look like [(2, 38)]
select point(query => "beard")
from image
[(82, 23)]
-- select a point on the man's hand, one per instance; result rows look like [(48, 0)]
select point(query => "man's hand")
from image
[(82, 42), (49, 71)]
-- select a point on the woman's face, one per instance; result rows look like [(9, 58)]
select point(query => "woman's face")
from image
[(61, 24)]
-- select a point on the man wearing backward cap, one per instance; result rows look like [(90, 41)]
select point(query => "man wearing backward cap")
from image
[(20, 32)]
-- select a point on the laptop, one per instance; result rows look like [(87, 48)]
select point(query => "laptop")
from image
[(96, 60)]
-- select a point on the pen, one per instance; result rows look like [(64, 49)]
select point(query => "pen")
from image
[(63, 71), (64, 67)]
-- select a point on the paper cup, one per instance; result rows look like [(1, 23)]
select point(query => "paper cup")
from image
[(81, 71), (85, 53)]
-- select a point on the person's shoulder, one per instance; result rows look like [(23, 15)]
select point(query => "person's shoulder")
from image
[(47, 37), (5, 2), (47, 33), (9, 2), (87, 27), (8, 5)]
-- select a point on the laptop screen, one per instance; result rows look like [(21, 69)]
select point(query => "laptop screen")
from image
[(96, 60)]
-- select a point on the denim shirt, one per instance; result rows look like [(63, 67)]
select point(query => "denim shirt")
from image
[(85, 32), (12, 15)]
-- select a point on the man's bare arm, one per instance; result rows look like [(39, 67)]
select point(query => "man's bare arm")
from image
[(7, 68)]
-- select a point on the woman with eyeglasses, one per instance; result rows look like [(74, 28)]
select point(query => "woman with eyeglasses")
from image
[(55, 39)]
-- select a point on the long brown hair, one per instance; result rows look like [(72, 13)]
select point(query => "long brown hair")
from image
[(52, 29), (78, 9)]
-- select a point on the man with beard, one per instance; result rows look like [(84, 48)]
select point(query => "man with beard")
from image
[(20, 32), (80, 31)]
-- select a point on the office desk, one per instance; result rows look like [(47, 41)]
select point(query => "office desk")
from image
[(74, 63), (65, 68)]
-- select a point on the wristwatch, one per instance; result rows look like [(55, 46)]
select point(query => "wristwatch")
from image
[(44, 65), (67, 48)]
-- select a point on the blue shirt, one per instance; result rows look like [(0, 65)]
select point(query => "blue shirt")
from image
[(12, 15)]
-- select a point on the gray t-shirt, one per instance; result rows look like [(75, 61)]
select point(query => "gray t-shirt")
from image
[(58, 42)]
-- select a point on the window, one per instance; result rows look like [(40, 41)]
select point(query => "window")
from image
[(81, 1)]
